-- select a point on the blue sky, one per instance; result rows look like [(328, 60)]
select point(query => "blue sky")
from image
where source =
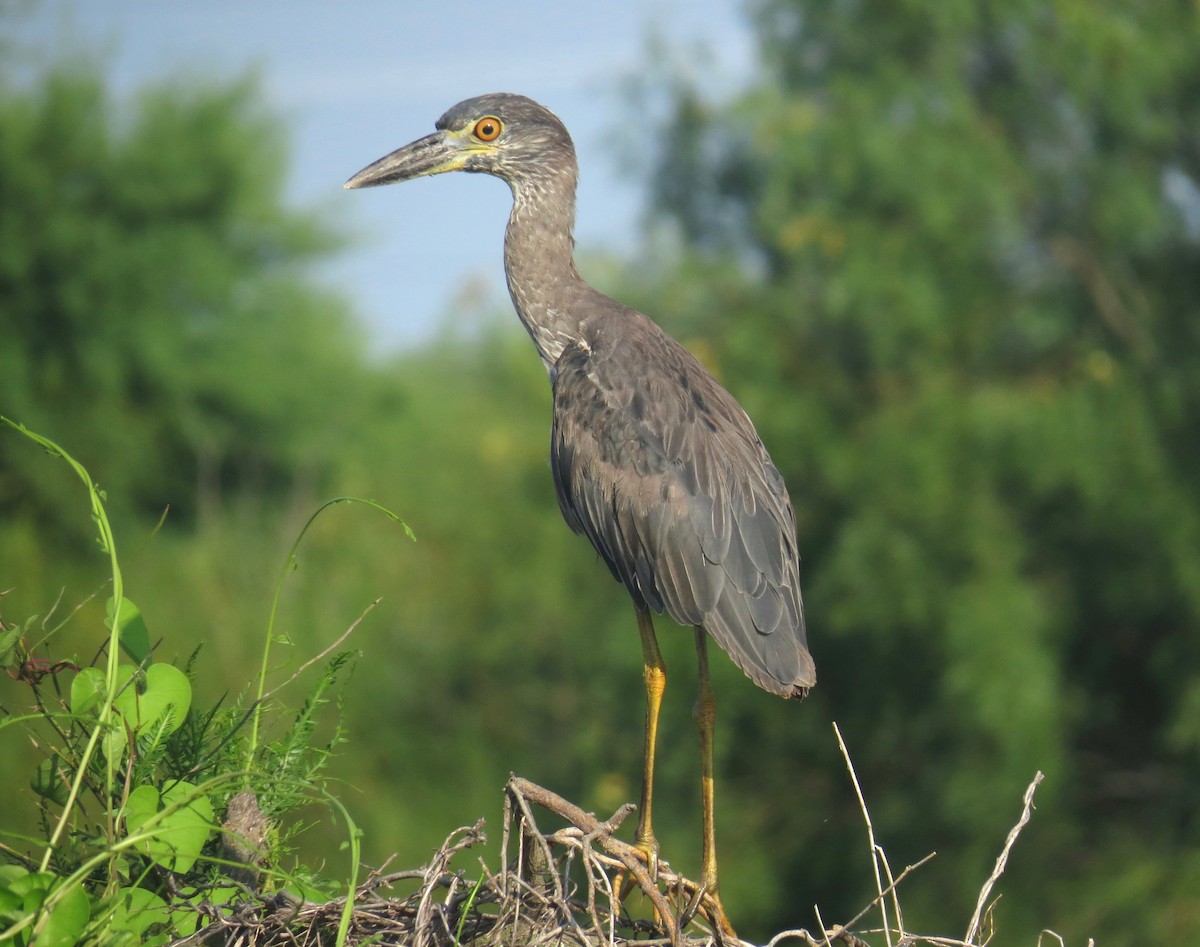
[(355, 80)]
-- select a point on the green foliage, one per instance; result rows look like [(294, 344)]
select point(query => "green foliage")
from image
[(181, 818), (126, 738), (154, 298), (946, 255), (63, 908)]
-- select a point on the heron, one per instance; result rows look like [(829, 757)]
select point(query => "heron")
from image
[(652, 459)]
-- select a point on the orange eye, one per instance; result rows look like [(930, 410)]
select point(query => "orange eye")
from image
[(488, 129)]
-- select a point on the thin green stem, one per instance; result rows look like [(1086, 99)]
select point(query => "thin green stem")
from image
[(289, 564), (109, 545)]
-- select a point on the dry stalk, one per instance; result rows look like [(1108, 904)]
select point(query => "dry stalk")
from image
[(1002, 861), (881, 868), (877, 855), (558, 890), (601, 832)]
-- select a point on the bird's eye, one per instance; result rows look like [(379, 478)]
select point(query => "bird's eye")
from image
[(488, 129)]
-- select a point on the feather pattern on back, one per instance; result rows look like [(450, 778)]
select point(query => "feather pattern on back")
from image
[(663, 471)]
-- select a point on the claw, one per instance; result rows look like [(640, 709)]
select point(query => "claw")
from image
[(623, 882), (705, 900), (649, 848), (693, 905)]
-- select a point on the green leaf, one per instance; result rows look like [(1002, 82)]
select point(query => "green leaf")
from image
[(87, 690), (136, 909), (185, 919), (135, 636), (10, 873), (162, 694), (8, 644), (184, 922), (116, 741), (48, 781), (21, 895), (176, 838), (28, 883), (10, 907), (11, 902), (67, 918)]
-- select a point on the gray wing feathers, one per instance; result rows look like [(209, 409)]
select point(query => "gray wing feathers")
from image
[(664, 473)]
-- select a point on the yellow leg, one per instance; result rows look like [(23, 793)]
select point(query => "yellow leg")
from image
[(654, 675), (704, 713)]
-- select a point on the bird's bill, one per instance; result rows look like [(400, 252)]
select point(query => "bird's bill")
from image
[(433, 154)]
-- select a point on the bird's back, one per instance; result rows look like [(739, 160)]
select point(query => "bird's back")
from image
[(662, 470)]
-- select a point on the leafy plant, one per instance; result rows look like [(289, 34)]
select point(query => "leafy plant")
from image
[(133, 777)]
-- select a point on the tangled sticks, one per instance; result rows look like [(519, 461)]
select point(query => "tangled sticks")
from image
[(560, 887)]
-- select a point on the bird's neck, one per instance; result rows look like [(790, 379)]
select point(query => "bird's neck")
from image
[(539, 262)]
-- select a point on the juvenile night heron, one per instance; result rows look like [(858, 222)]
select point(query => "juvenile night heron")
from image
[(653, 460)]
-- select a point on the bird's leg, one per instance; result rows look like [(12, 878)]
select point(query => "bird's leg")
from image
[(654, 675), (706, 897)]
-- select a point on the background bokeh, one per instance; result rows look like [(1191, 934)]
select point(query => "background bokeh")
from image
[(947, 258)]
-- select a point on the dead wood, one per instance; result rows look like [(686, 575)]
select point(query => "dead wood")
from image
[(556, 887)]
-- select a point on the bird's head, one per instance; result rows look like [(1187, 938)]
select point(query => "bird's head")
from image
[(507, 135)]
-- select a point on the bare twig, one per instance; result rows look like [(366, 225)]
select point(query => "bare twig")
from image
[(821, 924), (458, 840), (536, 901), (1026, 811), (890, 889), (876, 852), (322, 654), (626, 854)]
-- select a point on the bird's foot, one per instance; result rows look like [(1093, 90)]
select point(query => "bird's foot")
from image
[(647, 847), (706, 901)]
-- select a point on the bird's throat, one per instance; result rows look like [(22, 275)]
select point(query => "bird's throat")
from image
[(539, 263)]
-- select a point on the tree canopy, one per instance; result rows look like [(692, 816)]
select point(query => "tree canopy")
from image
[(947, 258), (154, 298), (963, 310)]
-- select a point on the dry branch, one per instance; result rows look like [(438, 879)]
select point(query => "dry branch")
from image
[(561, 888), (1002, 861)]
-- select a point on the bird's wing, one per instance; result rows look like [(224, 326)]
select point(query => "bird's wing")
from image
[(661, 469)]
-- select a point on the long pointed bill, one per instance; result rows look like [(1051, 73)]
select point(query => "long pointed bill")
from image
[(433, 154)]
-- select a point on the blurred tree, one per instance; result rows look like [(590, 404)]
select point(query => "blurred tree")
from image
[(946, 255), (961, 248), (154, 304)]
